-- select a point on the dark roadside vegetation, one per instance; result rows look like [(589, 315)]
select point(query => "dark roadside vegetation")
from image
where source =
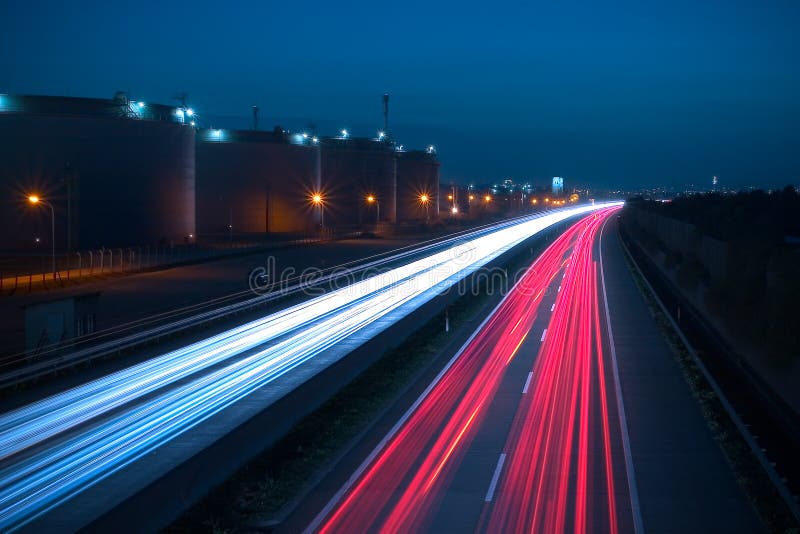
[(264, 490), (756, 290)]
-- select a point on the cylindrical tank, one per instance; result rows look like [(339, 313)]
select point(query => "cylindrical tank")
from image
[(417, 185), (354, 169), (255, 182), (114, 179)]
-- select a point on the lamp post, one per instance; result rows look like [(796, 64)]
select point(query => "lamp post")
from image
[(371, 199), (425, 201), (317, 199), (35, 199)]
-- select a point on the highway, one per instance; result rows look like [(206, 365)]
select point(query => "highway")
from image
[(539, 475), (546, 420), (54, 449)]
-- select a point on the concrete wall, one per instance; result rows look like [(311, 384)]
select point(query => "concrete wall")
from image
[(684, 238), (131, 181)]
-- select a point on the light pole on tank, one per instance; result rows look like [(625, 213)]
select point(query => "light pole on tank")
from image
[(372, 200), (34, 200), (425, 199), (317, 199)]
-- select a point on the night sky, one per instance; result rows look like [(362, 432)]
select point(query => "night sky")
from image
[(632, 93)]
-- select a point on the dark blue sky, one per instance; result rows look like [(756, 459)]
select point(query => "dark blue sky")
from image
[(628, 93)]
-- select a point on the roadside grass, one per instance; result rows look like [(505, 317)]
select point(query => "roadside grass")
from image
[(766, 500)]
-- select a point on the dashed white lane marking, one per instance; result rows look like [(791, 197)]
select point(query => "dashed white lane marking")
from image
[(527, 383), (559, 289), (544, 333), (553, 307), (495, 477)]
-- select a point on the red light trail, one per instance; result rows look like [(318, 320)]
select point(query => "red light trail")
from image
[(541, 487), (549, 473)]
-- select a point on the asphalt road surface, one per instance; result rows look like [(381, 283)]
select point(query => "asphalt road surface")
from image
[(565, 411)]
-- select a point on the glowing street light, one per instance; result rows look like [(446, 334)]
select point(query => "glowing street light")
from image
[(190, 112), (534, 201), (370, 200), (381, 135), (487, 198), (426, 200), (317, 200), (344, 134), (34, 200), (454, 210)]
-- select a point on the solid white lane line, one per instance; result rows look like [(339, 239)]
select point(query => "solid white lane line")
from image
[(495, 477), (527, 383), (636, 511), (544, 333)]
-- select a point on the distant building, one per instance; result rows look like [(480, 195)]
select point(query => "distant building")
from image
[(558, 186), (121, 172), (117, 172)]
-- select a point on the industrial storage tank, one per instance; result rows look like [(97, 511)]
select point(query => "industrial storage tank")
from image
[(354, 169), (256, 182), (116, 172), (417, 185)]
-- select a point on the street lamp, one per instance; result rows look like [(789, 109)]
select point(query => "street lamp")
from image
[(35, 199), (370, 200), (487, 199), (425, 199), (317, 199)]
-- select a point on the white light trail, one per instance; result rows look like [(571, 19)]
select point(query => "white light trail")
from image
[(147, 412)]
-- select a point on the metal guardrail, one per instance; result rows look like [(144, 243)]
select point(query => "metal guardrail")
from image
[(59, 360), (20, 275)]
